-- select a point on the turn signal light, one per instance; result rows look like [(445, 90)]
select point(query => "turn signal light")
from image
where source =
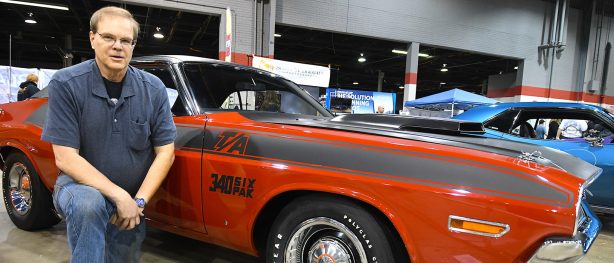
[(478, 227)]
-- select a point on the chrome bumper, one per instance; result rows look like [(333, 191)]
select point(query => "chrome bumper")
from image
[(565, 249)]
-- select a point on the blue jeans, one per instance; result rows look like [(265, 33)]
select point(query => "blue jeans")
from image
[(91, 237)]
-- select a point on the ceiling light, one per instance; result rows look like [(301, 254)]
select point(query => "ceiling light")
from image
[(444, 69), (277, 35), (30, 19), (355, 83), (158, 33), (401, 87), (403, 52), (442, 83), (35, 4), (516, 67), (396, 51), (362, 59)]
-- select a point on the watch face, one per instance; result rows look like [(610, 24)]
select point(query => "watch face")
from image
[(140, 202)]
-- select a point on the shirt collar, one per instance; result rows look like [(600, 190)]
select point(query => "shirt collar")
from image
[(98, 88)]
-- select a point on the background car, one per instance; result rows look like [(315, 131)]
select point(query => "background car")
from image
[(518, 121), (300, 185)]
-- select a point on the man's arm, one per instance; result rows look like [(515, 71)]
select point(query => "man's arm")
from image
[(165, 155), (68, 160)]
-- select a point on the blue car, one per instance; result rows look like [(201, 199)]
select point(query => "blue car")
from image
[(519, 121)]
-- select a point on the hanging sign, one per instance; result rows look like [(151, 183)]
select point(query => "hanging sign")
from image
[(302, 74)]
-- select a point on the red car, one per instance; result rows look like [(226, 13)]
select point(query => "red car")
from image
[(297, 184)]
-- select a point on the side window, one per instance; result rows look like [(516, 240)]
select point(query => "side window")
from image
[(502, 122), (165, 75)]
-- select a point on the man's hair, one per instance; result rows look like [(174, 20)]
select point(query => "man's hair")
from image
[(113, 11), (32, 77), (541, 121)]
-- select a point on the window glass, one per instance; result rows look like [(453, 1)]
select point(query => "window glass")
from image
[(502, 122), (234, 88), (165, 75)]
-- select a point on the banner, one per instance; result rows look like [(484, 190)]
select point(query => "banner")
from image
[(359, 101), (302, 74), (228, 40), (10, 85)]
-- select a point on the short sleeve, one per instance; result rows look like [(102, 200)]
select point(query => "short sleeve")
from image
[(61, 125), (163, 131)]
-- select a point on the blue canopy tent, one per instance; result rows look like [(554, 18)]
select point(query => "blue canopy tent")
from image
[(450, 100)]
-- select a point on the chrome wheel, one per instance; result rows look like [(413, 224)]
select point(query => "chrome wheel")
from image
[(324, 240), (20, 189)]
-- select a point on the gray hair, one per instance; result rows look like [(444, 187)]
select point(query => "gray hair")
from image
[(113, 11)]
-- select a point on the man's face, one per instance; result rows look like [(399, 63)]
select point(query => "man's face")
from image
[(113, 44), (380, 109)]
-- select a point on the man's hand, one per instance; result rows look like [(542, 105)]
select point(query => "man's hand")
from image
[(128, 214)]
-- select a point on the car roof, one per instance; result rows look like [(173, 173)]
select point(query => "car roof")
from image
[(482, 113)]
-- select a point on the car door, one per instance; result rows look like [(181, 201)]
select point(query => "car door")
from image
[(178, 201)]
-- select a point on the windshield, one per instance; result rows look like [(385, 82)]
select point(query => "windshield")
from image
[(227, 87)]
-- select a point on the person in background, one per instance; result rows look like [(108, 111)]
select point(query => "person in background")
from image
[(540, 131), (112, 135), (28, 87), (571, 128), (380, 109), (553, 127), (270, 102)]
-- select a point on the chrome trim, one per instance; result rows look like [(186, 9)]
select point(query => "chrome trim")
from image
[(295, 249), (454, 229), (581, 197), (569, 249)]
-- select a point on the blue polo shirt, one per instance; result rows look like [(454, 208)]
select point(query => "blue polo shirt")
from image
[(117, 139)]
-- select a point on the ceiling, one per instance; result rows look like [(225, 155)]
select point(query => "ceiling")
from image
[(43, 44)]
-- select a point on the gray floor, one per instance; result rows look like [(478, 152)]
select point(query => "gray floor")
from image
[(49, 246)]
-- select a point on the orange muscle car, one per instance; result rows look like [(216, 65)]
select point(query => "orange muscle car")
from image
[(262, 168)]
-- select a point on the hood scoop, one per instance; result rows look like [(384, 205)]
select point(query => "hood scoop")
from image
[(411, 123)]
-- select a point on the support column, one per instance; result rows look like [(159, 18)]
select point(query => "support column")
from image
[(380, 80), (265, 29), (411, 72)]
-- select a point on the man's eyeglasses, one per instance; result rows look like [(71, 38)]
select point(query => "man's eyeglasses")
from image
[(110, 39)]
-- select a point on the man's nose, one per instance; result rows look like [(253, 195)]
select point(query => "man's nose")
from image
[(117, 44)]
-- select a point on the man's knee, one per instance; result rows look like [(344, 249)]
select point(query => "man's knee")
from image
[(84, 202)]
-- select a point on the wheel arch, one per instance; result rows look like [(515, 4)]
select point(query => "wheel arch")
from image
[(273, 207), (12, 147)]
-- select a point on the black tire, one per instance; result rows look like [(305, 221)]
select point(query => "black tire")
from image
[(314, 222), (27, 200)]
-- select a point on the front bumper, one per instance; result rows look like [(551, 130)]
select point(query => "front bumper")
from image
[(566, 249)]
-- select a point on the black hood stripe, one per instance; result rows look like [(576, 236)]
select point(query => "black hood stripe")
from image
[(405, 166)]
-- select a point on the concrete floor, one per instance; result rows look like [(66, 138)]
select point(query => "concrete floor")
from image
[(50, 246)]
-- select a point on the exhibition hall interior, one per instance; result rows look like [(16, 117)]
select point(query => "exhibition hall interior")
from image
[(306, 131)]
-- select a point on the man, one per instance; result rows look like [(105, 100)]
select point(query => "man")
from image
[(112, 135), (540, 131), (570, 128), (380, 109)]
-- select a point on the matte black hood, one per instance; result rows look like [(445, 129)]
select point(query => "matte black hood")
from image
[(451, 132)]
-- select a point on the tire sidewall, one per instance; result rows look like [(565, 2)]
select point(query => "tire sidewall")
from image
[(361, 223)]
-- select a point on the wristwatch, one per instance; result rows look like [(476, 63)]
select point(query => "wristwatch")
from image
[(140, 202)]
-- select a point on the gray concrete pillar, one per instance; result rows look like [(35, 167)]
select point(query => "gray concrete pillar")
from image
[(411, 72)]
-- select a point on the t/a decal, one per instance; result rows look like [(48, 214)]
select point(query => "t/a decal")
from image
[(232, 185), (231, 141)]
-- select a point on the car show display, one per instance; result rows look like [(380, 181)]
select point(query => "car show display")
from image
[(518, 122), (263, 168)]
